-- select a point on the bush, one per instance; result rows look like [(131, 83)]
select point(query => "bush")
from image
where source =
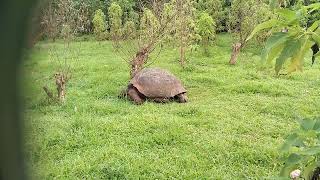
[(206, 29), (244, 16), (83, 19), (115, 15), (66, 32), (214, 9), (149, 25), (129, 30), (99, 23)]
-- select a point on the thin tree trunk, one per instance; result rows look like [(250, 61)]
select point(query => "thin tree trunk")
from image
[(48, 92), (61, 81), (235, 53), (138, 61), (182, 56)]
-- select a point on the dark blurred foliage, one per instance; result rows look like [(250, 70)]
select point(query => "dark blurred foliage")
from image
[(14, 20)]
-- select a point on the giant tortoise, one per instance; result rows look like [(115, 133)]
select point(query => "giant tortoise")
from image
[(157, 85)]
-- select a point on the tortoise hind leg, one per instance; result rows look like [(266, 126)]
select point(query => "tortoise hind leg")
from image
[(134, 95)]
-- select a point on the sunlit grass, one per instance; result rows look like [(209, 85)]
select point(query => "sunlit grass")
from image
[(231, 128)]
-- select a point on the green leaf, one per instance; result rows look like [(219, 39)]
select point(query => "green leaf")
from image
[(276, 40), (307, 124), (275, 51), (314, 26), (287, 169), (313, 7), (288, 15), (265, 25), (308, 170), (290, 140), (311, 151), (291, 47), (293, 159), (316, 126), (297, 60), (316, 38), (298, 143)]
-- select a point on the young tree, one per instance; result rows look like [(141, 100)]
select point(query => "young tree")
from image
[(115, 19), (129, 30), (83, 18), (66, 18), (215, 9), (128, 8), (244, 16), (50, 20), (99, 24), (206, 29), (149, 26), (185, 26), (168, 13), (150, 35)]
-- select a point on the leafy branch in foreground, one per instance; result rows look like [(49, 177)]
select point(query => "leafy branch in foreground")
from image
[(290, 40), (302, 149)]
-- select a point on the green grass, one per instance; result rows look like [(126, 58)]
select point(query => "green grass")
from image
[(232, 127)]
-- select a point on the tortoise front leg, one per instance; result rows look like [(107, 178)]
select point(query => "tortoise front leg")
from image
[(182, 98), (133, 94), (161, 100)]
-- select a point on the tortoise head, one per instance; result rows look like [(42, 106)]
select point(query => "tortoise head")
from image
[(182, 98)]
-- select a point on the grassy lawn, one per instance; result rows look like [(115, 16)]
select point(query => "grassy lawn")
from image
[(231, 128)]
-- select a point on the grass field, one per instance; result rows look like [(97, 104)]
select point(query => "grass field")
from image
[(232, 127)]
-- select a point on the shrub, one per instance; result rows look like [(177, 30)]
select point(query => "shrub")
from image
[(214, 9), (244, 16), (115, 15), (129, 30), (149, 25), (206, 29), (66, 32), (99, 23)]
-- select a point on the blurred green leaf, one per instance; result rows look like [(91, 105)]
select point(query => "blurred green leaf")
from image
[(316, 38), (274, 52), (298, 143), (297, 60), (288, 15), (291, 139), (317, 124), (291, 47), (265, 25), (314, 26), (311, 151), (308, 170), (293, 159), (307, 124), (276, 40), (313, 7), (287, 169)]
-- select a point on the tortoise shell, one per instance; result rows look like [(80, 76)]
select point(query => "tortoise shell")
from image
[(157, 83)]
